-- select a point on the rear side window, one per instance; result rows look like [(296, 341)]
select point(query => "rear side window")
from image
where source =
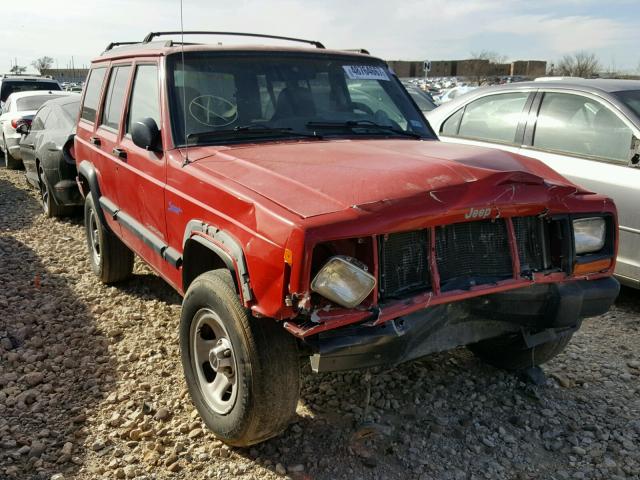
[(114, 100), (92, 95), (581, 126), (494, 117), (144, 97)]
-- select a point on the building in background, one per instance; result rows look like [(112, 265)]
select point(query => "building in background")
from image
[(472, 68), (71, 75)]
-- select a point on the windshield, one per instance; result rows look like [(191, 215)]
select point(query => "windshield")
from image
[(33, 103), (631, 98), (241, 97), (12, 86)]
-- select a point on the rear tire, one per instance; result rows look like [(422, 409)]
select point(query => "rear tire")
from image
[(509, 352), (10, 162), (110, 259), (242, 372), (49, 206)]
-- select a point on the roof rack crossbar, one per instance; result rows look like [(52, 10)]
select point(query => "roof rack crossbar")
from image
[(152, 35), (117, 44)]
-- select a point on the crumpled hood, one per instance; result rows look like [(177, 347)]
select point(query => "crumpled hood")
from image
[(320, 177)]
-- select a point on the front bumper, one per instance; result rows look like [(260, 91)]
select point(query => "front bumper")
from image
[(542, 312)]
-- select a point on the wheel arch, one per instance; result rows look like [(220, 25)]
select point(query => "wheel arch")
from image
[(88, 183), (208, 248)]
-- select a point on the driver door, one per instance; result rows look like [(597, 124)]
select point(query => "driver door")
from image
[(142, 175)]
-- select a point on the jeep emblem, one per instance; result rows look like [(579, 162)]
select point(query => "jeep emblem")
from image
[(478, 213)]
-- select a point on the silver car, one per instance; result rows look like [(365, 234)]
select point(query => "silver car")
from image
[(587, 130)]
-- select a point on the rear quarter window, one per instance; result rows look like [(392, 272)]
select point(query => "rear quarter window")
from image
[(92, 94)]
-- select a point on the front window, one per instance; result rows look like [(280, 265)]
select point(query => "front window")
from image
[(221, 98), (631, 98), (581, 126)]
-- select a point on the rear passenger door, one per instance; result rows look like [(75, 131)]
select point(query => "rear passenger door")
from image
[(495, 120), (584, 139), (89, 143)]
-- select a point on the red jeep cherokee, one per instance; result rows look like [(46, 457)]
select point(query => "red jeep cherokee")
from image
[(302, 205)]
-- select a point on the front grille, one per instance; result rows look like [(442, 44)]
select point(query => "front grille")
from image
[(403, 264), (472, 253), (467, 254), (531, 241)]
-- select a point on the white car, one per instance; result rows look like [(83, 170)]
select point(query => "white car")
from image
[(587, 130), (19, 106)]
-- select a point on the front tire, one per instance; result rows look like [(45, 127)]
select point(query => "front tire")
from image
[(110, 259), (242, 372), (509, 352)]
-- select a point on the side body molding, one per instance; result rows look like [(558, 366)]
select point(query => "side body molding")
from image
[(104, 204), (226, 247)]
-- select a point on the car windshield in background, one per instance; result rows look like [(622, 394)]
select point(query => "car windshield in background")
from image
[(72, 109), (34, 102), (422, 99), (631, 98), (233, 98), (9, 87)]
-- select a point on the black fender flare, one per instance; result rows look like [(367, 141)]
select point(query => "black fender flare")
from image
[(227, 248), (88, 171)]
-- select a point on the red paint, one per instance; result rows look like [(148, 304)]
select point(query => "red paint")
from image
[(294, 194)]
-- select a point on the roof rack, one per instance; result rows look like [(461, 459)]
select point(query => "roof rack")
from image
[(364, 51), (152, 35), (117, 44)]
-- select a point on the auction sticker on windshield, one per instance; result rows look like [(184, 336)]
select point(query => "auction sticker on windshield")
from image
[(365, 72)]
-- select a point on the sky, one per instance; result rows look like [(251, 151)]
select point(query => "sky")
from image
[(406, 30)]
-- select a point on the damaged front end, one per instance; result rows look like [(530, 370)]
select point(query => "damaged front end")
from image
[(460, 276)]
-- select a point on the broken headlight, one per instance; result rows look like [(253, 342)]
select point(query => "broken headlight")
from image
[(344, 281), (589, 234)]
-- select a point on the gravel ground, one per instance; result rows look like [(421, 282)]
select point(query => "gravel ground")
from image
[(91, 387)]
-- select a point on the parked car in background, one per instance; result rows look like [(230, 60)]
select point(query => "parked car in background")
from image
[(423, 99), (588, 130), (20, 106), (452, 93), (47, 153), (299, 201), (24, 83)]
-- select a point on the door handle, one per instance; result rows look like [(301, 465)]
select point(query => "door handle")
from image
[(94, 141), (120, 153)]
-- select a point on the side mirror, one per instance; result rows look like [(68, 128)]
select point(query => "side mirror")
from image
[(23, 128), (146, 134)]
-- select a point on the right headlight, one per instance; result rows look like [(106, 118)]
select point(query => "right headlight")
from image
[(589, 234), (343, 281)]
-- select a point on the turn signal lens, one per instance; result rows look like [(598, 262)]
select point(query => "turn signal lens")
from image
[(591, 267)]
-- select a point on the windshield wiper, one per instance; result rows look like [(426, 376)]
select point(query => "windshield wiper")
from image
[(253, 130), (368, 124)]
